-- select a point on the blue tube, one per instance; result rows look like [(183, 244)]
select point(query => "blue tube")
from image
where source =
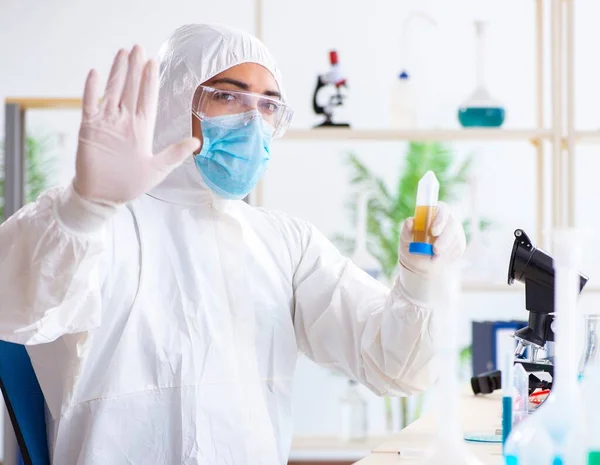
[(507, 402)]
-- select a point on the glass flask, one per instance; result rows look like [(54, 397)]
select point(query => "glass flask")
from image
[(591, 351), (478, 257), (361, 256), (480, 110), (448, 445), (589, 374)]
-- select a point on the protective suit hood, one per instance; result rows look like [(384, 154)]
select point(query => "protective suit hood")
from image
[(192, 55)]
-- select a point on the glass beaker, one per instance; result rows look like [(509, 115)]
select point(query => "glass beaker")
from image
[(591, 349), (480, 110), (361, 255), (478, 256), (589, 374)]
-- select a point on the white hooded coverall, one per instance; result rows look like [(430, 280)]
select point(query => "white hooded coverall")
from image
[(169, 333)]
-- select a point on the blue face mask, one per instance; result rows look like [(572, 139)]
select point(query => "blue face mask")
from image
[(234, 154)]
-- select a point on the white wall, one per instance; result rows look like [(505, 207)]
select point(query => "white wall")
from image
[(46, 49)]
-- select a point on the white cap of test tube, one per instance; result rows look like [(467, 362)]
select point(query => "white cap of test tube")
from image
[(428, 190)]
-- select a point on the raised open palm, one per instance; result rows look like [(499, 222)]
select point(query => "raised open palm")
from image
[(115, 163)]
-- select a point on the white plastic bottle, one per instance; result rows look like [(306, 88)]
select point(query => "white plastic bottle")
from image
[(403, 103)]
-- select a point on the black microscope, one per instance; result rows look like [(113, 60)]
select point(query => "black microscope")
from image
[(333, 78), (534, 268)]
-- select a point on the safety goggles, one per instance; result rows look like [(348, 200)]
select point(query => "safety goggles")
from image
[(210, 102)]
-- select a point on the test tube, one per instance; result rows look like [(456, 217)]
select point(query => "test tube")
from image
[(507, 389), (427, 200), (520, 380)]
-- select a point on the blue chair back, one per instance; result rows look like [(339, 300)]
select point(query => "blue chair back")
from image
[(25, 403)]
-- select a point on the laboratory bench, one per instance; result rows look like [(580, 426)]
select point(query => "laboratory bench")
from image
[(480, 415), (331, 450)]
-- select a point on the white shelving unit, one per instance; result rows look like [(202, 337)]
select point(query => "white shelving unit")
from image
[(562, 143), (587, 137), (503, 288), (561, 137), (418, 135), (560, 134)]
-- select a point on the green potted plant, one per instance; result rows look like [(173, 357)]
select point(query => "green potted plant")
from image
[(389, 206), (38, 168)]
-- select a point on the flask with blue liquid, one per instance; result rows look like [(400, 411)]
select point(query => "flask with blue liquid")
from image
[(480, 109)]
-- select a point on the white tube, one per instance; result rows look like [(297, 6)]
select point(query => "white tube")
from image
[(361, 221), (480, 33), (568, 254), (448, 392), (474, 196), (556, 102), (539, 101), (405, 33), (449, 446), (569, 169)]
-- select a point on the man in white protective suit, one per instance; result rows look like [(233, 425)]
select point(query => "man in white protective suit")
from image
[(164, 315)]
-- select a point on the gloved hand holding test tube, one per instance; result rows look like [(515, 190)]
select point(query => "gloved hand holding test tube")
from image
[(433, 235)]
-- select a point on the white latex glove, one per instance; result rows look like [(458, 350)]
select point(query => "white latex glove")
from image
[(448, 246), (115, 163)]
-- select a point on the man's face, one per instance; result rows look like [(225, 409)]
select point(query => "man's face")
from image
[(247, 77)]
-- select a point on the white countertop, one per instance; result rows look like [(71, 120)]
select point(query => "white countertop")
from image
[(479, 415), (323, 448)]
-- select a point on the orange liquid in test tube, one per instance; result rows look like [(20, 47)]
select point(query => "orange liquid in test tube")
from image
[(424, 215)]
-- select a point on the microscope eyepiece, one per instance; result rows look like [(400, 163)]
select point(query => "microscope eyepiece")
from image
[(535, 268)]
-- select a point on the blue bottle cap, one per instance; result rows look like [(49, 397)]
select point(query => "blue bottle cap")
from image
[(420, 248), (403, 75)]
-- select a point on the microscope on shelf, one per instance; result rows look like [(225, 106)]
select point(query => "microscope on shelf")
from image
[(534, 268), (332, 78)]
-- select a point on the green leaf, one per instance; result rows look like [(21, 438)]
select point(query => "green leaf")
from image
[(465, 354), (484, 225), (39, 166), (391, 205), (343, 243)]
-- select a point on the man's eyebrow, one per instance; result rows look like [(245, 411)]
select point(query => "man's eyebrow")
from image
[(234, 82), (272, 93), (243, 86)]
